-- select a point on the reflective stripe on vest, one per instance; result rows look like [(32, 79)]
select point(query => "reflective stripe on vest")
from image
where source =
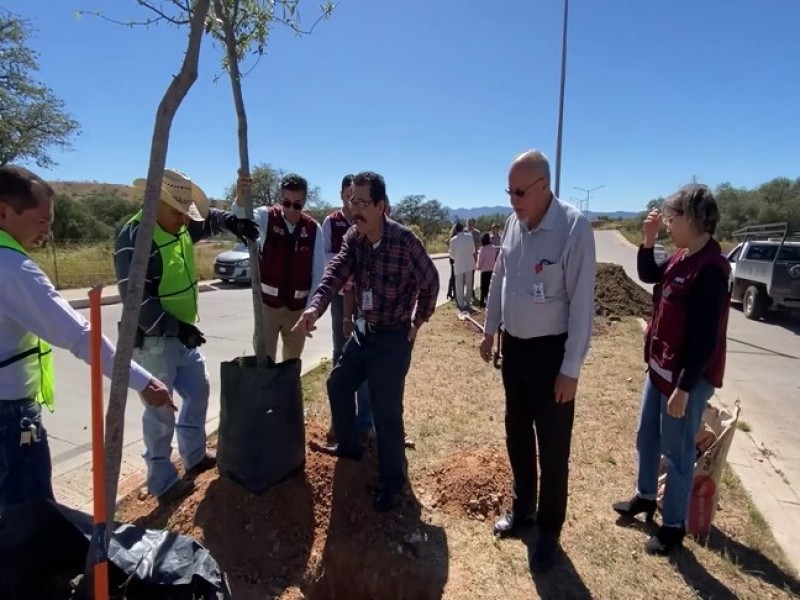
[(177, 289), (38, 357)]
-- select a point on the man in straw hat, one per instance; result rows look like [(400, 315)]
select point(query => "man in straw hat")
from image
[(292, 260), (167, 337), (34, 315)]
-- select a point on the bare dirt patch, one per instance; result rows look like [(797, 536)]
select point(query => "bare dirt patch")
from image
[(316, 535), (617, 295)]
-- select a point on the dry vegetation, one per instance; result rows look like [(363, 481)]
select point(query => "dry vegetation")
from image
[(315, 536)]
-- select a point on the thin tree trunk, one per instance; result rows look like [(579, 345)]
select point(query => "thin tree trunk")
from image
[(244, 171), (176, 92)]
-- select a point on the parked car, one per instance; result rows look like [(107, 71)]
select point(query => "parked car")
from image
[(233, 265), (765, 273), (660, 253)]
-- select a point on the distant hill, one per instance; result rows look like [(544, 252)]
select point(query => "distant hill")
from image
[(481, 211), (78, 189)]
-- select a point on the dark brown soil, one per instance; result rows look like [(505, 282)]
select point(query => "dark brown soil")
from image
[(617, 295), (314, 536)]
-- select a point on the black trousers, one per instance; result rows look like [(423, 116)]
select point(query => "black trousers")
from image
[(529, 369), (486, 279)]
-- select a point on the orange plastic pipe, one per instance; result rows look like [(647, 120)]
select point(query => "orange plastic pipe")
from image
[(99, 559)]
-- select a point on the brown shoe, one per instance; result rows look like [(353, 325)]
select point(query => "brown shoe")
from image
[(208, 462), (179, 489)]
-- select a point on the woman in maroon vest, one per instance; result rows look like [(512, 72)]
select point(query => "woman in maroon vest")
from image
[(684, 350)]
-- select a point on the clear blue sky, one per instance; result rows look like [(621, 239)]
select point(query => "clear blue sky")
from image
[(438, 96)]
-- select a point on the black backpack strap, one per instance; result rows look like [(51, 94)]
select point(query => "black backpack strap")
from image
[(19, 357)]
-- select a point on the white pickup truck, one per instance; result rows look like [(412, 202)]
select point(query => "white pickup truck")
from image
[(765, 273)]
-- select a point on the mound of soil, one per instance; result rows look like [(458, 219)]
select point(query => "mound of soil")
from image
[(617, 295), (473, 482), (316, 535)]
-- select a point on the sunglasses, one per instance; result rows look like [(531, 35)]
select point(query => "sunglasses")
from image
[(520, 192), (294, 205)]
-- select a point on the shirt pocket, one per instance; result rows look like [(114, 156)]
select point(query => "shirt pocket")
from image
[(551, 277), (389, 280)]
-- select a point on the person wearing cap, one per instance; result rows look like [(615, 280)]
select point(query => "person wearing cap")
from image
[(542, 291), (291, 261), (167, 337), (343, 306), (396, 285), (33, 315)]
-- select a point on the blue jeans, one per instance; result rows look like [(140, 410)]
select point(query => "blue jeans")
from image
[(659, 434), (382, 360), (183, 371), (25, 467), (363, 404)]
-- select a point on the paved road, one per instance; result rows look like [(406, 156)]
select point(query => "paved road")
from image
[(763, 368), (226, 320)]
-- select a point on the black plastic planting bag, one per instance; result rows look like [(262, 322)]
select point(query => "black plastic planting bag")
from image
[(43, 550), (261, 427)]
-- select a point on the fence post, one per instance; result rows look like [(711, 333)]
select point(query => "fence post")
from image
[(55, 265)]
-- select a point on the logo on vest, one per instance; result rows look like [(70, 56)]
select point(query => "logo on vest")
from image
[(277, 229), (303, 233)]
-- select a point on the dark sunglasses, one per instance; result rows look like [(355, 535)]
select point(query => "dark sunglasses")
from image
[(519, 193), (294, 205)]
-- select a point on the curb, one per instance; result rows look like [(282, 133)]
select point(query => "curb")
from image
[(81, 303)]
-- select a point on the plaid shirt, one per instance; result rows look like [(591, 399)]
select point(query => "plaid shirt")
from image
[(399, 272)]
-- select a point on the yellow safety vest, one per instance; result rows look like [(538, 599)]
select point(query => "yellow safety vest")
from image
[(177, 290), (41, 354)]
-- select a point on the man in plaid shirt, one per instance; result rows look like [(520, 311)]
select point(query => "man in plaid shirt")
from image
[(396, 285)]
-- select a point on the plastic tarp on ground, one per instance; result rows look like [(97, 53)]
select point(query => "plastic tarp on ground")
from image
[(43, 547)]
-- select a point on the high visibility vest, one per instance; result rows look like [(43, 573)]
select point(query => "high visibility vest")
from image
[(177, 289), (37, 355)]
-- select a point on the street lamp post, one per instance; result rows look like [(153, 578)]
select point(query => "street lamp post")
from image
[(585, 207), (561, 98)]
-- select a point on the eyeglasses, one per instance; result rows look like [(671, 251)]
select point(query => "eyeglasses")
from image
[(359, 203), (294, 205), (519, 193)]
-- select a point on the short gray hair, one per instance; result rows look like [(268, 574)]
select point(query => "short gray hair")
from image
[(698, 203), (537, 160)]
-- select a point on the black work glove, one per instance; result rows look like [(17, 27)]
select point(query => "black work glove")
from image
[(244, 229), (190, 336)]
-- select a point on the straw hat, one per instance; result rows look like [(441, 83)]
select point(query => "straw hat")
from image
[(179, 192)]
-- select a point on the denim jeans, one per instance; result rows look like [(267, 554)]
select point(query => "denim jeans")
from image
[(382, 360), (658, 434), (363, 404), (183, 371), (25, 467)]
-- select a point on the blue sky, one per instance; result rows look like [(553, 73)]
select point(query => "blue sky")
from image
[(438, 96)]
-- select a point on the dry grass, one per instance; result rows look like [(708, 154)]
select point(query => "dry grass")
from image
[(85, 265), (454, 406), (79, 189)]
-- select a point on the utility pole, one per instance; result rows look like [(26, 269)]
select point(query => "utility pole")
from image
[(557, 187)]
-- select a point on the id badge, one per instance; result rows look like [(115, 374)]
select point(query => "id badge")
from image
[(366, 300), (538, 291)]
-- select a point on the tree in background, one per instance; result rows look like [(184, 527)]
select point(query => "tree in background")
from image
[(429, 216), (267, 187), (33, 119)]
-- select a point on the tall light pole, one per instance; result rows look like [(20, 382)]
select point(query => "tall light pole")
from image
[(561, 99), (585, 208)]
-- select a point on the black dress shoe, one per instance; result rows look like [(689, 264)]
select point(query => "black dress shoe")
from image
[(208, 462), (665, 540), (513, 522), (545, 553), (636, 506), (385, 500), (336, 450), (178, 490)]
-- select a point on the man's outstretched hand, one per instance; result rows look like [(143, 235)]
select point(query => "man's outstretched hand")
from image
[(306, 324)]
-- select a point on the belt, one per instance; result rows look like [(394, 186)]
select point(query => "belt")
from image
[(379, 328)]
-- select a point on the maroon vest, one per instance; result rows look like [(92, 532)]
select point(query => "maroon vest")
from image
[(665, 336), (339, 226), (287, 260)]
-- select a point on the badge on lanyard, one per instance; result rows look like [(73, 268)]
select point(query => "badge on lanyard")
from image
[(366, 300), (538, 291)]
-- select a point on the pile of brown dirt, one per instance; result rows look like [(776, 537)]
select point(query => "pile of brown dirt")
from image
[(474, 482), (315, 535), (617, 295)]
